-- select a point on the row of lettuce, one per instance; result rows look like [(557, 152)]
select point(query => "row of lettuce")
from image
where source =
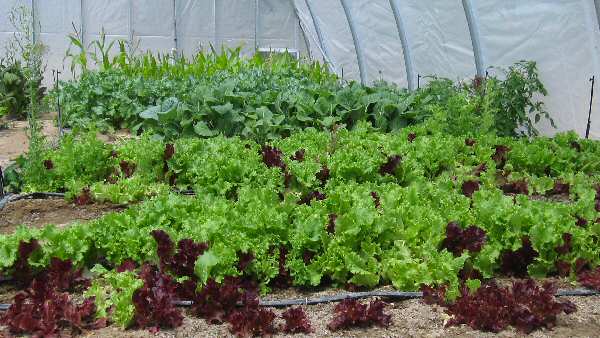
[(366, 208)]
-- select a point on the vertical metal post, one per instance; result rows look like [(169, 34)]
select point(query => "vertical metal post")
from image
[(216, 38), (475, 36), (82, 23), (130, 26), (408, 62), (175, 33), (34, 36), (357, 46), (589, 122), (597, 5), (256, 20), (56, 76), (322, 45)]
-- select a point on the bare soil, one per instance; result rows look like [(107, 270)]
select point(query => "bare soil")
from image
[(14, 140), (38, 213)]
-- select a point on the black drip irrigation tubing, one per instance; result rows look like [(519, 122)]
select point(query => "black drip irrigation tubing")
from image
[(45, 195), (395, 295)]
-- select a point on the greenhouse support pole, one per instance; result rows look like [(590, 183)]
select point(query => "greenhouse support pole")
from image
[(357, 46), (322, 45), (256, 19), (82, 21), (216, 32), (597, 6), (475, 36), (33, 20), (408, 63), (175, 39), (130, 26)]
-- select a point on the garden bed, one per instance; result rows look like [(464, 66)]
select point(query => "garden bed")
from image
[(57, 211)]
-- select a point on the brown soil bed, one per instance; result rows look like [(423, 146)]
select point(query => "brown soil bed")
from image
[(38, 213)]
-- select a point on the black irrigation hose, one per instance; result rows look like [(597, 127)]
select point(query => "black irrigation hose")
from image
[(397, 295), (45, 195)]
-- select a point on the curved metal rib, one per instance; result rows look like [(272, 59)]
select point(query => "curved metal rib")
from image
[(357, 46), (475, 36), (408, 62), (322, 46)]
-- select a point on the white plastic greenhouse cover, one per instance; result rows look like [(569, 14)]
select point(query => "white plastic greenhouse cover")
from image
[(364, 40)]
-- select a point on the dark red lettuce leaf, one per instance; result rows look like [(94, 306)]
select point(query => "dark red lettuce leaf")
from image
[(273, 157), (501, 155), (153, 302), (251, 320), (514, 263), (581, 222), (63, 276), (560, 188), (216, 302), (283, 279), (434, 295), (23, 274), (525, 305), (389, 167), (351, 313), (470, 187), (581, 265), (127, 168), (317, 195), (567, 245), (127, 265), (411, 137), (43, 311), (323, 175), (480, 169), (296, 321), (331, 223), (376, 199), (48, 164), (563, 268), (516, 187), (307, 256), (244, 260), (183, 262), (169, 151), (84, 197), (298, 155), (458, 240), (590, 278)]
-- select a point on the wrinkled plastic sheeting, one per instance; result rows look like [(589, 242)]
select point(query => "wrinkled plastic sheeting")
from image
[(562, 37), (438, 37), (311, 37), (336, 37), (380, 41)]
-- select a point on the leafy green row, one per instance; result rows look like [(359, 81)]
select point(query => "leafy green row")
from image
[(227, 94), (357, 206)]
